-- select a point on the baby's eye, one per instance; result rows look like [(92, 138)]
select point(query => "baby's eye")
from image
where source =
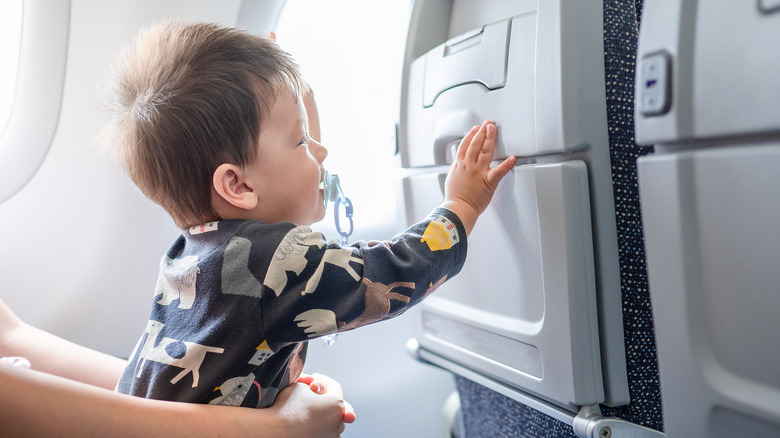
[(304, 141)]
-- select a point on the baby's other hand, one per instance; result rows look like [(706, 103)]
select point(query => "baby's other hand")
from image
[(322, 384), (471, 182)]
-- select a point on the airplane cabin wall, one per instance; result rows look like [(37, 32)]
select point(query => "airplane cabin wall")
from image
[(81, 245), (72, 259)]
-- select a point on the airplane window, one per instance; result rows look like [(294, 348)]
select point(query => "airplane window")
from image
[(351, 52), (10, 41)]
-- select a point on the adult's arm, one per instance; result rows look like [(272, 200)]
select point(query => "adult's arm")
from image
[(69, 393), (53, 355), (34, 404)]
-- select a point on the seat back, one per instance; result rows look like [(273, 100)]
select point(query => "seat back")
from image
[(537, 306), (473, 325), (708, 97), (487, 413)]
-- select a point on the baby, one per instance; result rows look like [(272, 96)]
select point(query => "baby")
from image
[(211, 124)]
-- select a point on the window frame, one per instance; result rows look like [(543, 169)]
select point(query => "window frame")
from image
[(35, 111)]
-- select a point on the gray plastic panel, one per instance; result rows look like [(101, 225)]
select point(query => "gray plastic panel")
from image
[(710, 221), (533, 74), (532, 323), (714, 83), (478, 57), (710, 208), (464, 101), (549, 109)]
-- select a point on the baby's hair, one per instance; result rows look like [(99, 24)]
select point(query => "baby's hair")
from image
[(186, 98)]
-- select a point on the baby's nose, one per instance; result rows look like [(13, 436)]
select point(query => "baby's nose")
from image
[(320, 152)]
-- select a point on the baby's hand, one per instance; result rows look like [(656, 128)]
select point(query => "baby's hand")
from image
[(322, 384), (471, 182)]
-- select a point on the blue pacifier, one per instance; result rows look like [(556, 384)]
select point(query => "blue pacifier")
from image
[(331, 187)]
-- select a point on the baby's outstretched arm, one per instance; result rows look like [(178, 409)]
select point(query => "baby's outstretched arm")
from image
[(471, 182)]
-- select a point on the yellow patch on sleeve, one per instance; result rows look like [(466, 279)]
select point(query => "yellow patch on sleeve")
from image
[(440, 234)]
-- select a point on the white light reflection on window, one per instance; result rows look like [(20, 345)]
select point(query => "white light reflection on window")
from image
[(351, 53)]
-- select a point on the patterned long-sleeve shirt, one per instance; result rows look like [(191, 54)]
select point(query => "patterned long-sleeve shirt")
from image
[(236, 301)]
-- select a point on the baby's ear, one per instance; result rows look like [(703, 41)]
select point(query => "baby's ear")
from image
[(231, 184)]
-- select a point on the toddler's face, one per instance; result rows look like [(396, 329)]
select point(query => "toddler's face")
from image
[(288, 170)]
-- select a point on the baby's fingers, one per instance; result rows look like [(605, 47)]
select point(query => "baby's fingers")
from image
[(488, 145), (349, 413), (466, 141), (477, 143), (497, 173)]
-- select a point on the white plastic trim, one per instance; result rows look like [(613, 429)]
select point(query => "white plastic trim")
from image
[(38, 100)]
